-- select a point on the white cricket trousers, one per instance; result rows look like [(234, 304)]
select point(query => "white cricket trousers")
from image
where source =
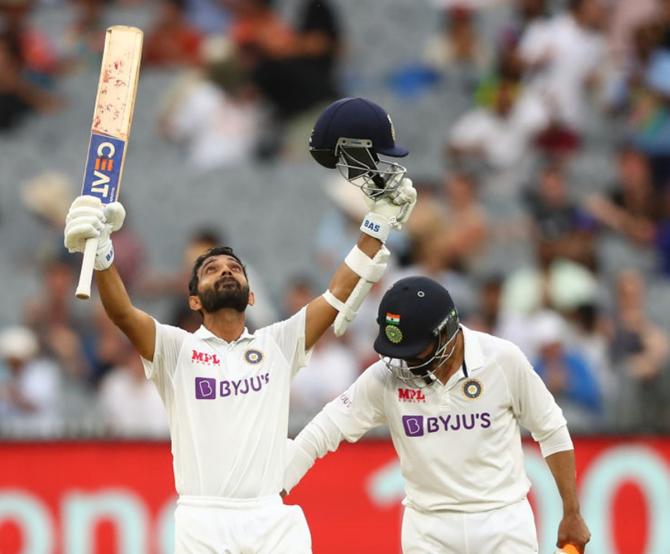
[(508, 530), (206, 525)]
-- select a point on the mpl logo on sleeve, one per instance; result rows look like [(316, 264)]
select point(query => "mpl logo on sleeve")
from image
[(103, 168)]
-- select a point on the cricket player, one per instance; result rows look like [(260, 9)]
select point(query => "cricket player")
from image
[(453, 400), (226, 390)]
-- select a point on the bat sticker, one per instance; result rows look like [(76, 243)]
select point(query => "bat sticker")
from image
[(103, 168)]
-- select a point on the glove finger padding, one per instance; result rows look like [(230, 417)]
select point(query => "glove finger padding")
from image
[(115, 215), (405, 193), (86, 200), (77, 233)]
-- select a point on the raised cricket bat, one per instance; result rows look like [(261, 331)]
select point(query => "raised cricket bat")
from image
[(112, 118)]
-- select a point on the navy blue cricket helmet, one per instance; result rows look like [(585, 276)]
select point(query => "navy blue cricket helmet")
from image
[(350, 134)]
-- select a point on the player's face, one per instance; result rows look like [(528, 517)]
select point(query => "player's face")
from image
[(222, 284), (422, 362)]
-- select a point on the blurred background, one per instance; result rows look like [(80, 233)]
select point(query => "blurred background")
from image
[(539, 134)]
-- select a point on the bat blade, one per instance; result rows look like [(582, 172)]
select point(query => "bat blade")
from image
[(110, 130)]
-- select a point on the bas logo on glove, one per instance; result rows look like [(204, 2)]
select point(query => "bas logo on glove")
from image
[(374, 227)]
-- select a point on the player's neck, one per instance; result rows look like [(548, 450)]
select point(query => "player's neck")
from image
[(453, 363), (226, 324)]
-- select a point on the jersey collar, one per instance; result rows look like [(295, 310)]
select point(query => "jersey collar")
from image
[(206, 334), (473, 355)]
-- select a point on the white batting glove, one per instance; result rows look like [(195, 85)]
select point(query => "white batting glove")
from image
[(88, 218), (390, 211)]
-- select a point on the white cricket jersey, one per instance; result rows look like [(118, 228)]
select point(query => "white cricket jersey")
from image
[(227, 405), (459, 444)]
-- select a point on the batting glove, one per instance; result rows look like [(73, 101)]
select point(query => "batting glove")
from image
[(390, 211), (88, 218)]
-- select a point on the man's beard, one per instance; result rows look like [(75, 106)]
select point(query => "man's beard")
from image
[(218, 297)]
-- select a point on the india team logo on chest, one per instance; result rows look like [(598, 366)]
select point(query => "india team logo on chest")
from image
[(472, 389), (253, 356)]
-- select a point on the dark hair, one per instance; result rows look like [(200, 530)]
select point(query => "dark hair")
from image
[(216, 251)]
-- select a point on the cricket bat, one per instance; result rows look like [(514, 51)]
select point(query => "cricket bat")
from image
[(112, 119)]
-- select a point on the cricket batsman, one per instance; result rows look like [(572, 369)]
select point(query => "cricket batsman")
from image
[(454, 400), (226, 390)]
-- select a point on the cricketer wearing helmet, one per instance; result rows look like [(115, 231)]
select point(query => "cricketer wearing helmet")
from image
[(453, 400), (225, 389)]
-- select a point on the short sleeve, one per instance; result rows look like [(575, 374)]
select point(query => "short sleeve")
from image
[(168, 345), (361, 407), (533, 404), (289, 336)]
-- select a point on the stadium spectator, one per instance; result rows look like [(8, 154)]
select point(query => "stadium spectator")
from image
[(486, 317), (562, 58), (529, 16), (567, 373), (292, 67), (457, 49), (640, 351), (662, 239), (559, 220), (500, 135), (590, 333), (212, 111), (19, 95), (631, 206), (61, 324), (172, 41), (464, 235), (129, 403), (39, 61), (649, 121), (29, 386), (84, 40)]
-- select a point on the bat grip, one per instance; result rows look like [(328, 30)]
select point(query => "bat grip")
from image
[(86, 275)]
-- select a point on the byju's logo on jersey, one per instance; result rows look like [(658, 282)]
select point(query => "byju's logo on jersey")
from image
[(207, 388), (413, 425), (204, 358), (417, 426), (411, 395)]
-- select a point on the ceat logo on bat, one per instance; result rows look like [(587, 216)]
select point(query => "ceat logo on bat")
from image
[(411, 395), (103, 168), (205, 358)]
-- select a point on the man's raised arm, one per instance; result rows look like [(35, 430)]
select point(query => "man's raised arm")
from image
[(88, 218), (362, 267)]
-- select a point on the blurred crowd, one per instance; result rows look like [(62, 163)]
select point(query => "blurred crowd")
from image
[(249, 85)]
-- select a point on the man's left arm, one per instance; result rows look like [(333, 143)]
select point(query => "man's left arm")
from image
[(366, 263), (538, 412), (572, 529)]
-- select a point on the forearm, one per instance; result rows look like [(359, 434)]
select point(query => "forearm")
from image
[(562, 466), (344, 280), (113, 295), (318, 438)]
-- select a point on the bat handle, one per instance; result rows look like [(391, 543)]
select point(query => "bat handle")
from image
[(84, 287)]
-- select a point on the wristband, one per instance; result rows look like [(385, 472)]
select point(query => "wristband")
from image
[(376, 226)]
